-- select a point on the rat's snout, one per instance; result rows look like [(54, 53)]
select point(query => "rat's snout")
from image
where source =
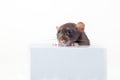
[(62, 39)]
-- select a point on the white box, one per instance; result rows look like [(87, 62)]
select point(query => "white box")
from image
[(68, 63)]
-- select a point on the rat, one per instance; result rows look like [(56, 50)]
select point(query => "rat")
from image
[(71, 34), (67, 34), (83, 39)]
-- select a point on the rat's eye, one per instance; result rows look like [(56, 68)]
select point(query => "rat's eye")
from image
[(59, 31), (69, 31)]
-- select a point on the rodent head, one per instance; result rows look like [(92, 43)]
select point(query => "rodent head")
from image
[(67, 33)]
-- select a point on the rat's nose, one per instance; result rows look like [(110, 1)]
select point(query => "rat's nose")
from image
[(62, 41)]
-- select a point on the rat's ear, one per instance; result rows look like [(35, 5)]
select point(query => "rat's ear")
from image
[(57, 27), (80, 27)]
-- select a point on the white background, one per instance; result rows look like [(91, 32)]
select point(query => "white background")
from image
[(27, 22)]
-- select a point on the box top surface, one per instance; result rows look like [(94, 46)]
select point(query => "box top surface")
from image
[(51, 46)]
